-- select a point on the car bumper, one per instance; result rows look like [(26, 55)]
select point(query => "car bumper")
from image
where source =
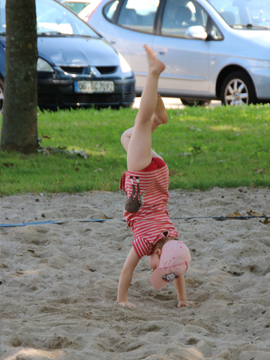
[(60, 94), (261, 80)]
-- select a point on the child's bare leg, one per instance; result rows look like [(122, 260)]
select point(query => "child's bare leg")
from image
[(159, 117), (139, 145)]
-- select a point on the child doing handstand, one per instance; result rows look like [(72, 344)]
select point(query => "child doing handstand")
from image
[(146, 185)]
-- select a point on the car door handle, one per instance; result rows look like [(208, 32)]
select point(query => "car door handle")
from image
[(113, 41), (213, 60), (162, 51)]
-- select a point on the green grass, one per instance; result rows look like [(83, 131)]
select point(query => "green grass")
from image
[(203, 147)]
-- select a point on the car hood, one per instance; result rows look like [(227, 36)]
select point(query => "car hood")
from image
[(77, 51), (253, 43)]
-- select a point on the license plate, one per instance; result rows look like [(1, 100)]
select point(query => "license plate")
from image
[(94, 86)]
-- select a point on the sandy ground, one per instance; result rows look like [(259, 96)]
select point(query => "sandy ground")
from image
[(59, 281)]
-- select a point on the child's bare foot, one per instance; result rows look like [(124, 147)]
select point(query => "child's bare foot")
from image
[(128, 304), (160, 115), (155, 65)]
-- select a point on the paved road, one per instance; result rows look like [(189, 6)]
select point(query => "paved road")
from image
[(173, 103)]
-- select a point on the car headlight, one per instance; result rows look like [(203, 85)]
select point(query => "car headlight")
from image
[(43, 65), (125, 67)]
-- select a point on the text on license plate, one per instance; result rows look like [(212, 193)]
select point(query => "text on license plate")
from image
[(94, 86)]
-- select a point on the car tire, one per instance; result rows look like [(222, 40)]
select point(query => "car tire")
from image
[(1, 95), (237, 89), (194, 102)]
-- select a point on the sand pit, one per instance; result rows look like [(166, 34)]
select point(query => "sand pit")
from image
[(59, 281)]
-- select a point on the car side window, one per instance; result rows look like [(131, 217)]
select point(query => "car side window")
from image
[(181, 14), (110, 9), (76, 7), (138, 15), (215, 33)]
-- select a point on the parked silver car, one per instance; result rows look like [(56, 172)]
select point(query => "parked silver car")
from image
[(212, 49)]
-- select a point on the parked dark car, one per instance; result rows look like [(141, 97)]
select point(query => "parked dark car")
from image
[(76, 65)]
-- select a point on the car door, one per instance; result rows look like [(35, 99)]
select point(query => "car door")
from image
[(187, 60), (134, 28)]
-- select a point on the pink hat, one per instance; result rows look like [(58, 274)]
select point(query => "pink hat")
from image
[(174, 261)]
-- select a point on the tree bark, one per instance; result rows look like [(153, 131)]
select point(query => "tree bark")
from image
[(19, 127)]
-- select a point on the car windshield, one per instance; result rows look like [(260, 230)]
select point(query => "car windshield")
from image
[(53, 19), (2, 17), (244, 14)]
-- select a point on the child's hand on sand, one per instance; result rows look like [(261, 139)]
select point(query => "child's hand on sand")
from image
[(128, 304), (185, 303)]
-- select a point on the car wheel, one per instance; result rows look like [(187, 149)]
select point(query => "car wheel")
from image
[(237, 89), (1, 96), (194, 102)]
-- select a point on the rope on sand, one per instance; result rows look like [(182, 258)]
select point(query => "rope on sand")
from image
[(59, 222), (222, 218), (218, 218), (32, 223)]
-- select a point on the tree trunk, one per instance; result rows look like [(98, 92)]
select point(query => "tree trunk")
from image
[(19, 128)]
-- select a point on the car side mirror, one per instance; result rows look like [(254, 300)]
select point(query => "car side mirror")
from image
[(196, 32)]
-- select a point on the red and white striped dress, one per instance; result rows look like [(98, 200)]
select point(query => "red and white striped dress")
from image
[(151, 222)]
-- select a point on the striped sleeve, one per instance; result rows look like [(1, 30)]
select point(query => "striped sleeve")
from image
[(142, 247)]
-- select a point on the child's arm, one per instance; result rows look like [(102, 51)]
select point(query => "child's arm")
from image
[(126, 277), (180, 287)]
